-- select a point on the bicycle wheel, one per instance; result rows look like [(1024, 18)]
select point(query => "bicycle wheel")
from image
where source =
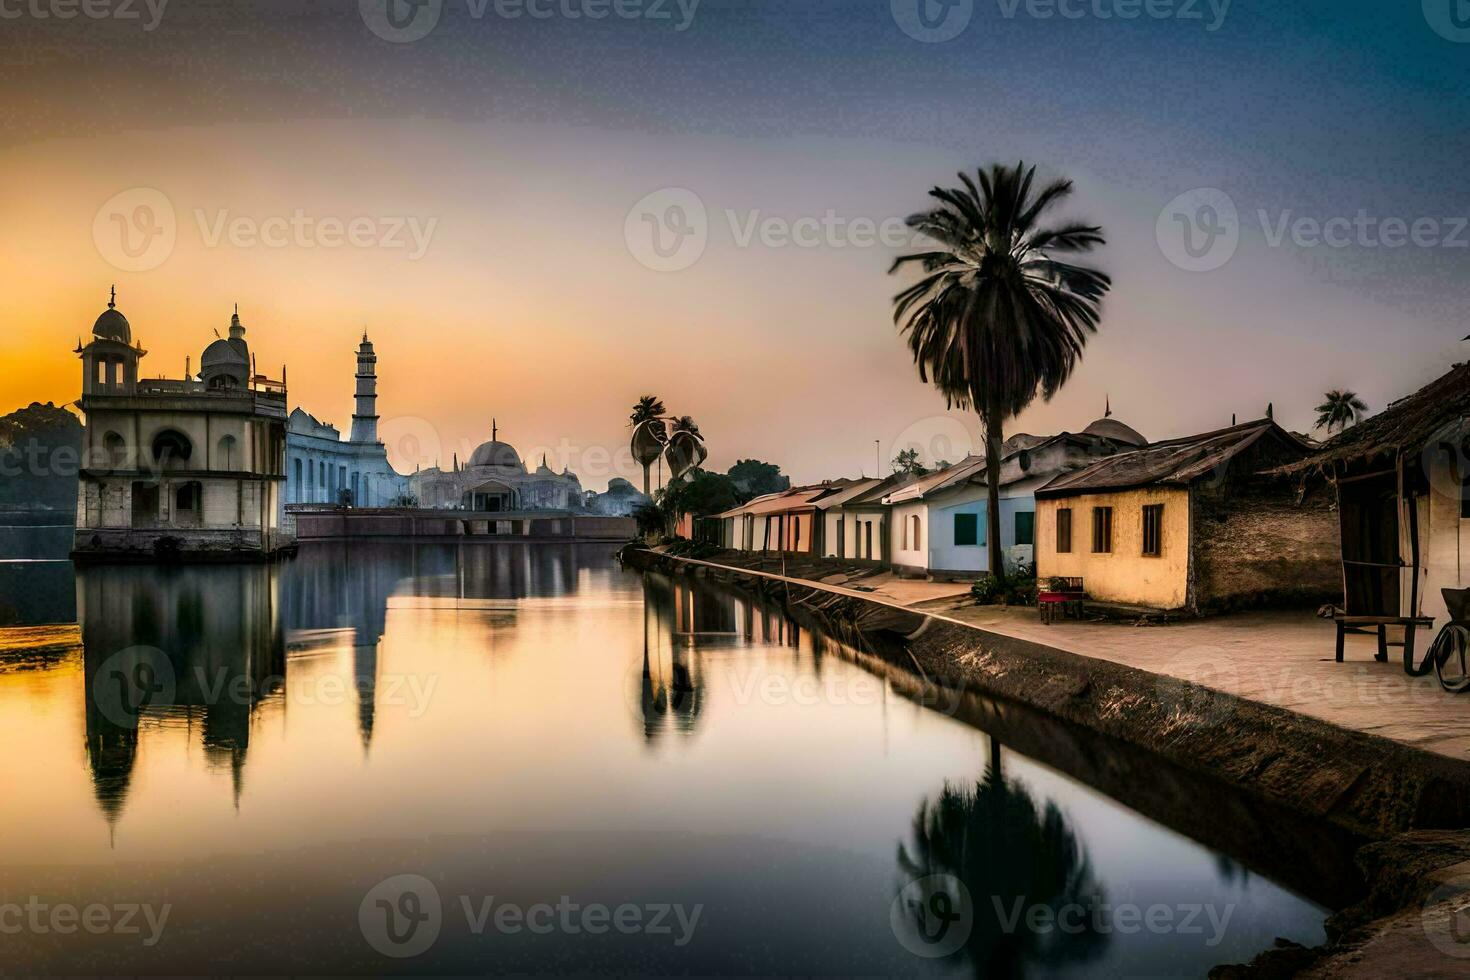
[(1450, 654)]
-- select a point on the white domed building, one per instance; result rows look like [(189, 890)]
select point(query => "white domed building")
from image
[(178, 467), (495, 480)]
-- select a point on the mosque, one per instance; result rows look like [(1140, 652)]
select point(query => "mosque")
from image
[(495, 480)]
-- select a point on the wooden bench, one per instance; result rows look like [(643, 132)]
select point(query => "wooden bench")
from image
[(1380, 624), (1063, 595)]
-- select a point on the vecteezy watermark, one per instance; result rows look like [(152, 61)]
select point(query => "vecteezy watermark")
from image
[(1181, 10), (131, 681), (932, 21), (403, 916), (136, 230), (405, 21), (669, 230), (303, 230), (1445, 917), (1450, 19), (1101, 917), (936, 21), (1194, 687), (1199, 230), (65, 919), (87, 9), (932, 916)]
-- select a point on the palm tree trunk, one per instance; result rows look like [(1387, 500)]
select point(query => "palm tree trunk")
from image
[(993, 441), (646, 492)]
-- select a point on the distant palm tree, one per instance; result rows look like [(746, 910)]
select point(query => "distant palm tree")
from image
[(650, 408), (998, 318), (1339, 410)]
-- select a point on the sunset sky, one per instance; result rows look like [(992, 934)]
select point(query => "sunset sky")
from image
[(520, 150)]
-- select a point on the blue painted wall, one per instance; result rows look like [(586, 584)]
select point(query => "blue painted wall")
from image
[(946, 556)]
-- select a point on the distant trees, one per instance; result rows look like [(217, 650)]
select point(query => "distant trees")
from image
[(40, 452), (1001, 311), (1340, 409), (907, 461), (754, 478)]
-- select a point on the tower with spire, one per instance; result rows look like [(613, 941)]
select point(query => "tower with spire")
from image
[(365, 418)]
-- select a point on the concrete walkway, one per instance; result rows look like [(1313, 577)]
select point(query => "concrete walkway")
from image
[(1279, 658)]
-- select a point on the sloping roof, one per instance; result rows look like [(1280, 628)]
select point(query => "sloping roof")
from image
[(933, 482), (799, 499), (854, 488), (1175, 462), (1407, 425)]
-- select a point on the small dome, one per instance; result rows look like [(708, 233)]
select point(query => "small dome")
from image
[(496, 453), (112, 325), (1110, 428), (221, 352)]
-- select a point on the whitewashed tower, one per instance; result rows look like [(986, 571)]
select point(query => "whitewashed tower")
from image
[(365, 419)]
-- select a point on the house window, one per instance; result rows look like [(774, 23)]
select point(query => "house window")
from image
[(1025, 527), (299, 489), (1102, 530), (966, 529), (1064, 530), (917, 534), (1153, 530)]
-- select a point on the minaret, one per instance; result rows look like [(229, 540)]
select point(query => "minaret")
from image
[(365, 419)]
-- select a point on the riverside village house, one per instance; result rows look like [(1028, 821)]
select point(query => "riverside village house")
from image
[(938, 523), (1402, 482), (1192, 525), (192, 466)]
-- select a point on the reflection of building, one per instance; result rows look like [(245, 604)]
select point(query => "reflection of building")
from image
[(195, 465), (495, 479), (202, 645), (322, 469)]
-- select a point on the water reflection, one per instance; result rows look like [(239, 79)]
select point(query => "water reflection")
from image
[(199, 648), (1013, 855), (770, 774)]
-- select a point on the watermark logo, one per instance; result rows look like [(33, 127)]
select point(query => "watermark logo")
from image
[(1446, 917), (932, 21), (299, 229), (1199, 230), (401, 21), (1106, 10), (43, 918), (132, 681), (932, 916), (668, 230), (1450, 19), (937, 439), (89, 9), (1191, 683), (401, 916), (135, 230)]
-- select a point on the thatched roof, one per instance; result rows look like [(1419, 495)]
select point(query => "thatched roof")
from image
[(1174, 462), (1406, 426)]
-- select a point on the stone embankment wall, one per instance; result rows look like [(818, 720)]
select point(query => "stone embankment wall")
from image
[(1359, 783)]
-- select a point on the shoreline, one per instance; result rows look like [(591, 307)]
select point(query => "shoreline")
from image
[(1394, 799)]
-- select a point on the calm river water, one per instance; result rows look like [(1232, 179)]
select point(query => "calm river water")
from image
[(501, 758)]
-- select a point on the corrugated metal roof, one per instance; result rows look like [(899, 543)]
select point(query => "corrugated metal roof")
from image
[(934, 482), (1177, 462)]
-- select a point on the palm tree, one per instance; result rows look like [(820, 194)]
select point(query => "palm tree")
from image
[(998, 317), (650, 408), (1339, 410)]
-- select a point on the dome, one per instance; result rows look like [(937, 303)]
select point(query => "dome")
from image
[(112, 325), (221, 352), (497, 453), (1111, 428)]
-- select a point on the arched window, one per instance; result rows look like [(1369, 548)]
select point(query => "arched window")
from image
[(172, 449), (228, 457), (114, 450), (918, 537)]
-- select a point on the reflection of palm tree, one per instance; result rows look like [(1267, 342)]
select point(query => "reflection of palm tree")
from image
[(678, 700), (1011, 855)]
